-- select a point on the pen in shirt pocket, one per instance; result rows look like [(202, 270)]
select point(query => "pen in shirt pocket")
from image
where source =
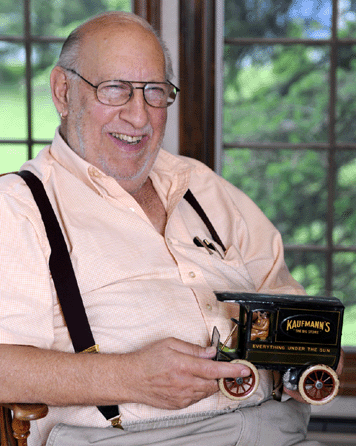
[(210, 247)]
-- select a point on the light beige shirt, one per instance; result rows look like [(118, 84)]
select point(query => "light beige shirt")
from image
[(137, 286)]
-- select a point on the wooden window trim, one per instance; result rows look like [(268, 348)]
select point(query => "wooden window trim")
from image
[(348, 376), (149, 10), (197, 80)]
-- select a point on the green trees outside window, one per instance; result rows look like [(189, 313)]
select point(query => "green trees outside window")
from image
[(289, 132), (31, 36)]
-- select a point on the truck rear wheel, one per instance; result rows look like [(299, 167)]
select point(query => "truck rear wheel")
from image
[(240, 388), (318, 384)]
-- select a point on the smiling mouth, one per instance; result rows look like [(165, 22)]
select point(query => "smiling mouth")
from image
[(127, 139)]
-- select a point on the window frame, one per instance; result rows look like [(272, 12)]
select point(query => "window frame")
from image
[(27, 39)]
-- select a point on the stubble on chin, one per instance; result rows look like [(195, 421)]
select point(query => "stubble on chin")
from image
[(132, 181)]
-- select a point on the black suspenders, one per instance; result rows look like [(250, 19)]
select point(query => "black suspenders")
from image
[(61, 269), (64, 277), (200, 211)]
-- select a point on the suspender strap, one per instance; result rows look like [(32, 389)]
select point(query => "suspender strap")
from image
[(62, 269), (64, 277), (200, 211)]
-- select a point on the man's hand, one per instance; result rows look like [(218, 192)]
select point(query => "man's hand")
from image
[(297, 396), (172, 374), (169, 374)]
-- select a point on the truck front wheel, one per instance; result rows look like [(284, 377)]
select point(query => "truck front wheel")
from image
[(240, 388)]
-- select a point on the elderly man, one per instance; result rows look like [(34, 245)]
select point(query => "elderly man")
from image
[(147, 289)]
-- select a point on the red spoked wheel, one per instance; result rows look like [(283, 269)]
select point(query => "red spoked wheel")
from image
[(318, 384), (240, 388)]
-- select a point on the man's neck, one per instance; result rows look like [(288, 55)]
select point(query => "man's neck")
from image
[(151, 204)]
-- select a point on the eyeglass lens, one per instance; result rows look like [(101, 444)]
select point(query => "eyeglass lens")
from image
[(118, 93)]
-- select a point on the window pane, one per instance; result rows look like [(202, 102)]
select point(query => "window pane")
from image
[(12, 157), (276, 93), (345, 199), (287, 18), (36, 148), (346, 95), (347, 19), (13, 123), (289, 187), (60, 17), (309, 269), (45, 117), (344, 286), (11, 18)]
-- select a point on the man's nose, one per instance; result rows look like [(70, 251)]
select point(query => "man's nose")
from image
[(135, 111)]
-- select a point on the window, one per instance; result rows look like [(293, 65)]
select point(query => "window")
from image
[(289, 135), (31, 36)]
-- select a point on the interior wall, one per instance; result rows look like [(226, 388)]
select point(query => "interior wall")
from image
[(170, 34)]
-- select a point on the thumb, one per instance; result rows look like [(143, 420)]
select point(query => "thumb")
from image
[(194, 349), (208, 352), (204, 352)]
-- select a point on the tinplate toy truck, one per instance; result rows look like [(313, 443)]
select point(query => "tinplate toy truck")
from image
[(298, 336)]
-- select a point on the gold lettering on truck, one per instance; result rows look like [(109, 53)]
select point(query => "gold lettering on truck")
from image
[(293, 324)]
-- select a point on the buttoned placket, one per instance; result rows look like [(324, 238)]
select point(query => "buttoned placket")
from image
[(191, 274)]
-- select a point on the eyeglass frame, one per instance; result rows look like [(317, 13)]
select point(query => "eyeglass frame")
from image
[(132, 89)]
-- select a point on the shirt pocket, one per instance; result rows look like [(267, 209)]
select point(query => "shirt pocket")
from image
[(231, 270)]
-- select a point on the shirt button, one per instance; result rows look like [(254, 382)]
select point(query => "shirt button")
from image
[(93, 172), (192, 274), (209, 307)]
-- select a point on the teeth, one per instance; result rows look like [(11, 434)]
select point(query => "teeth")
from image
[(127, 138)]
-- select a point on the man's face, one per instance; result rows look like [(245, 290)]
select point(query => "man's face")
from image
[(122, 141)]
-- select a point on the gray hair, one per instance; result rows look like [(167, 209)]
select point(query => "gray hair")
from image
[(69, 56)]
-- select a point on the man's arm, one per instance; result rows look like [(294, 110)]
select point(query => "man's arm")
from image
[(168, 374)]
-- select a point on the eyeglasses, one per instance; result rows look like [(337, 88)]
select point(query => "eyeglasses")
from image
[(118, 92)]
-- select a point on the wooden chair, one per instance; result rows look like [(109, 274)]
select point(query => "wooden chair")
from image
[(15, 422)]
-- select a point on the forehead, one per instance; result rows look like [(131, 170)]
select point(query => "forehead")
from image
[(122, 51)]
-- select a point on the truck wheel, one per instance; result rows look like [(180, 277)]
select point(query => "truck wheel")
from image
[(318, 384), (240, 388)]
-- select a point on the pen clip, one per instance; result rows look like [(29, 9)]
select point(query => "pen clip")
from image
[(207, 245), (202, 244), (212, 246)]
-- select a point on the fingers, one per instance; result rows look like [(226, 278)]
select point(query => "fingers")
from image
[(191, 349), (218, 369), (174, 374), (208, 370)]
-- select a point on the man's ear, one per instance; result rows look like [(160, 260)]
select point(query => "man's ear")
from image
[(60, 90)]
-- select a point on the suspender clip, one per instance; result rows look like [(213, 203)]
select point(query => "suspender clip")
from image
[(116, 422), (92, 349)]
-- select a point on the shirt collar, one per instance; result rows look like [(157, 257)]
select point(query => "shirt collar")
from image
[(170, 172)]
